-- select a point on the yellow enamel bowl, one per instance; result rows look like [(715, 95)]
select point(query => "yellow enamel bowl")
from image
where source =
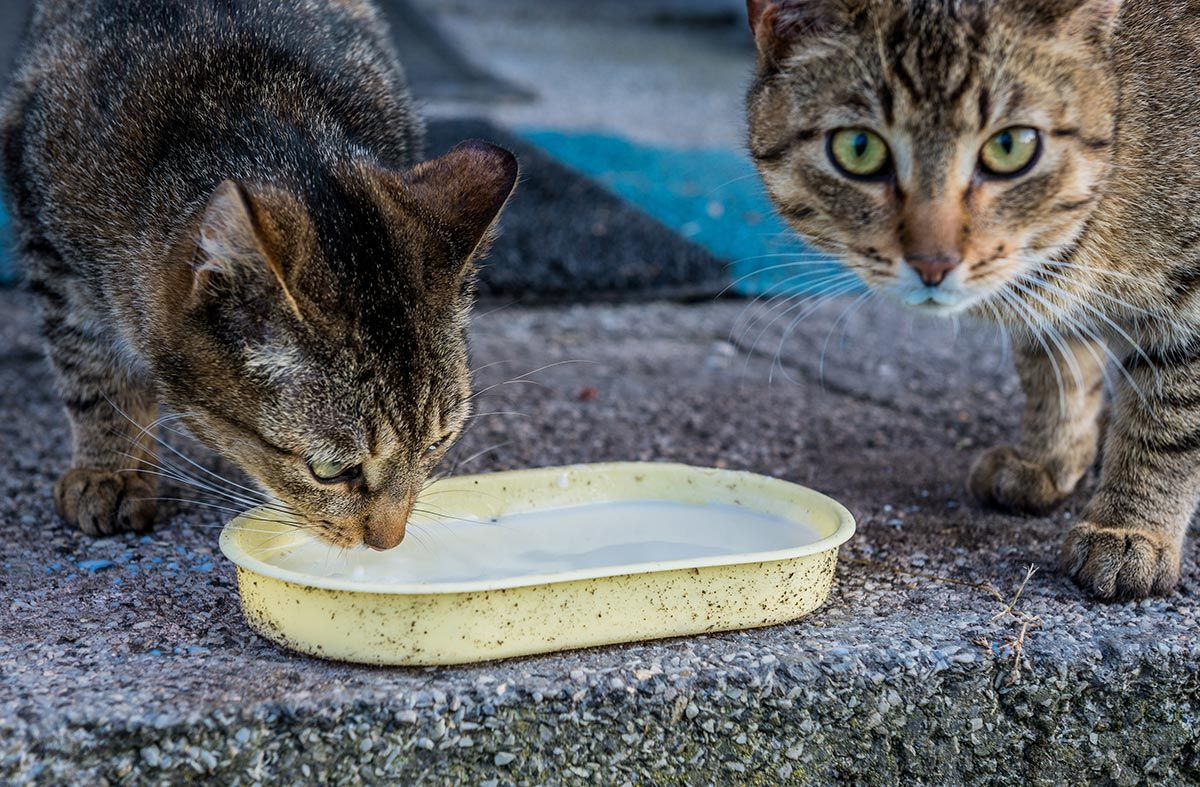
[(459, 622)]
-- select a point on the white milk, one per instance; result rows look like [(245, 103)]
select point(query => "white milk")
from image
[(597, 535)]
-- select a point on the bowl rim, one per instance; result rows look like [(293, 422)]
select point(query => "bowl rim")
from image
[(845, 529)]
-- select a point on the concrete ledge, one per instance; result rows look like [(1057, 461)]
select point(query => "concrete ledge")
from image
[(126, 660), (760, 720)]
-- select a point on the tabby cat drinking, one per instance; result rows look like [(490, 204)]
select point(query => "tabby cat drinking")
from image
[(218, 205)]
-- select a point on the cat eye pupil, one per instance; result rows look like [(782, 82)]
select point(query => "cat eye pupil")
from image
[(860, 145)]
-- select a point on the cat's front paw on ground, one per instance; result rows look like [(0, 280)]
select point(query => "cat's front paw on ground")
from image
[(1001, 478), (102, 502), (1119, 563)]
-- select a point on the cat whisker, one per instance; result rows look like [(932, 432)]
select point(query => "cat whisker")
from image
[(473, 416), (1056, 338), (493, 363), (439, 514), (854, 305), (431, 519), (524, 378), (776, 306), (773, 297), (499, 308), (1031, 322), (212, 473), (1113, 357), (792, 304), (831, 282), (1133, 344), (414, 532), (1005, 338), (167, 470), (1056, 269), (1088, 271), (160, 423), (820, 303), (730, 182), (459, 464), (244, 529), (236, 512), (825, 262)]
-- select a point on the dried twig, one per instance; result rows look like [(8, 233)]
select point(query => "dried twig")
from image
[(1015, 644), (1017, 597)]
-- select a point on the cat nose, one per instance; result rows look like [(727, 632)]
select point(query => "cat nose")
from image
[(384, 526), (382, 538), (933, 269)]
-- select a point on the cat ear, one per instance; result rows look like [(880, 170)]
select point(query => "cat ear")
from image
[(464, 191), (236, 238), (1088, 21), (1094, 21), (776, 23)]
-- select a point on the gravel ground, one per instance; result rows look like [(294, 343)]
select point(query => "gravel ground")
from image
[(126, 660)]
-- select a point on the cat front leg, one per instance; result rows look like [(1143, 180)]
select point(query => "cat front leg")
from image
[(107, 489), (1130, 540), (1060, 429)]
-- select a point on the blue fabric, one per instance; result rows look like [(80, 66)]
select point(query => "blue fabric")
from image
[(711, 196), (8, 266)]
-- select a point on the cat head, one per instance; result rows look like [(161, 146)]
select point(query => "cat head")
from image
[(941, 147), (317, 334)]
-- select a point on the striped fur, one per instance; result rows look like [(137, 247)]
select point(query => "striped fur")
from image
[(1091, 258), (218, 206)]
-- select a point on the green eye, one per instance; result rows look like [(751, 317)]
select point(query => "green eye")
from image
[(859, 153), (333, 472), (1011, 152)]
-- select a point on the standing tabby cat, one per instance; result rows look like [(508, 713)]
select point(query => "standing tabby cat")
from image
[(1031, 161), (216, 201)]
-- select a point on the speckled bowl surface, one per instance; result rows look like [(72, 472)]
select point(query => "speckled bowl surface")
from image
[(459, 622)]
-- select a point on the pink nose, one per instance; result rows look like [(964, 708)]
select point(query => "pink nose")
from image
[(381, 540), (933, 270)]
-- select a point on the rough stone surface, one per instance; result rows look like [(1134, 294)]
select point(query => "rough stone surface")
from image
[(126, 659)]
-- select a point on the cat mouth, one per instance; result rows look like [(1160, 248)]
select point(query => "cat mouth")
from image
[(937, 300), (934, 299)]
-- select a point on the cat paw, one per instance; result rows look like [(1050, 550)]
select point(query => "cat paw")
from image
[(1121, 563), (101, 502), (1002, 479)]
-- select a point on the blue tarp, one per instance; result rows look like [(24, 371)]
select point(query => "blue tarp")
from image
[(8, 270), (711, 196)]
